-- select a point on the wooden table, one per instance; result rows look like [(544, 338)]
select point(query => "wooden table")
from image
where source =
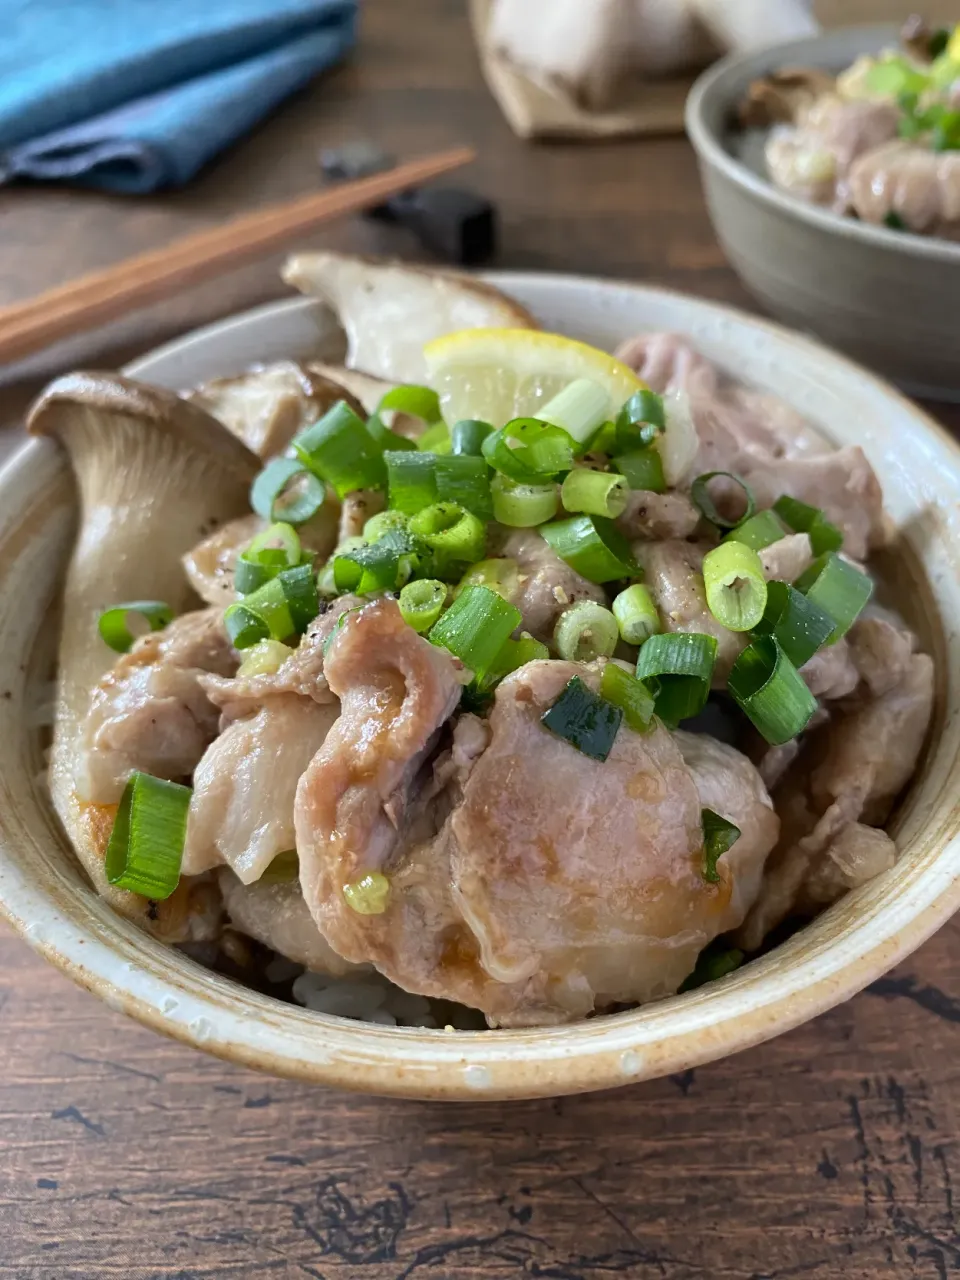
[(829, 1152)]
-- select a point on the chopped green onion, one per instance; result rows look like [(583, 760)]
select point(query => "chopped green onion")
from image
[(678, 669), (823, 535), (593, 546), (421, 479), (283, 869), (384, 522), (435, 439), (585, 720), (339, 449), (761, 530), (628, 693), (369, 895), (946, 132), (271, 551), (894, 76), (522, 506), (735, 586), (454, 535), (529, 450), (419, 402), (893, 220), (411, 480), (719, 835), (146, 845), (501, 575), (636, 614), (770, 691), (837, 587), (642, 469), (605, 440), (265, 658), (514, 655), (467, 437), (800, 625), (580, 409), (586, 631), (475, 627), (384, 438), (421, 603), (714, 962), (380, 566), (286, 490), (300, 592), (244, 626), (700, 493), (465, 479), (596, 493), (640, 421), (115, 629)]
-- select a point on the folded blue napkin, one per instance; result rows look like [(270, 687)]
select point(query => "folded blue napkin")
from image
[(135, 95)]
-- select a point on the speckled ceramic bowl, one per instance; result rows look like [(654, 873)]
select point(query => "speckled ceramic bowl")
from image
[(45, 897), (884, 297)]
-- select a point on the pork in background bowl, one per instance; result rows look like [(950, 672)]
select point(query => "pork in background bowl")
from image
[(884, 297)]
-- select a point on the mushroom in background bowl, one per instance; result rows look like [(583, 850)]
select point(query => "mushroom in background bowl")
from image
[(862, 284)]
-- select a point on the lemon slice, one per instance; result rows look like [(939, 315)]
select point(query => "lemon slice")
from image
[(499, 374)]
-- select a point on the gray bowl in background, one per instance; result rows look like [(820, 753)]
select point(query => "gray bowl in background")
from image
[(888, 298)]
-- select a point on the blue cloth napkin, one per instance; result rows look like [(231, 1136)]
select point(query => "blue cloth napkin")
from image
[(135, 95)]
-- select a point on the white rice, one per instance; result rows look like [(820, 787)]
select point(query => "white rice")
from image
[(367, 997)]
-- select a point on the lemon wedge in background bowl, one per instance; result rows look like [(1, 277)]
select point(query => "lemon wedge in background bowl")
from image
[(499, 374)]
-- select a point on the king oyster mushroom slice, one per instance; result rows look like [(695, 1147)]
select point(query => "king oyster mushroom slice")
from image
[(154, 474), (266, 406), (390, 311)]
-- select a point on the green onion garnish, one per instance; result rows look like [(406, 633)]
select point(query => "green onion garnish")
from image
[(384, 522), (383, 565), (700, 493), (715, 961), (837, 587), (421, 603), (286, 490), (800, 626), (761, 530), (419, 402), (770, 691), (893, 220), (586, 631), (894, 76), (417, 480), (411, 480), (580, 409), (642, 469), (529, 450), (467, 437), (629, 694), (265, 658), (595, 493), (523, 506), (639, 422), (475, 627), (500, 575), (802, 518), (593, 546), (454, 535), (369, 895), (718, 836), (284, 606), (679, 669), (271, 551), (465, 479), (146, 845), (339, 449), (585, 720), (115, 629), (735, 586), (435, 439), (636, 614), (245, 627), (384, 438), (514, 655)]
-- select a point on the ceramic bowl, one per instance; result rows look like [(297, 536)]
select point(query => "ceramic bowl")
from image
[(44, 895), (887, 298)]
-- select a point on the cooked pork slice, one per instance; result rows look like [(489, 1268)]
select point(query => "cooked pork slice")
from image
[(150, 712), (784, 561), (658, 515), (553, 884), (357, 509), (277, 916), (545, 585), (301, 673), (831, 673), (918, 185), (881, 652), (241, 812), (269, 404), (856, 856), (673, 572)]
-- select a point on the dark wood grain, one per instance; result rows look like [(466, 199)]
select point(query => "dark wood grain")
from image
[(829, 1152)]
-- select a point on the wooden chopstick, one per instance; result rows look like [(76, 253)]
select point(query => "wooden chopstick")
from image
[(101, 296)]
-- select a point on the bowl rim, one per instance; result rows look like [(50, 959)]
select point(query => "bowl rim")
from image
[(262, 1033), (711, 150)]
